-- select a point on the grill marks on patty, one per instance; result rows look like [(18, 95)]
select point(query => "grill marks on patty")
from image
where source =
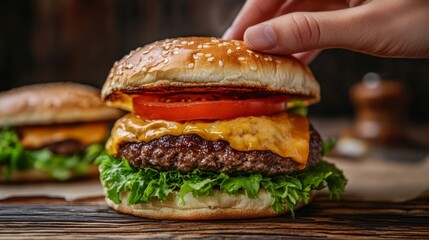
[(187, 152)]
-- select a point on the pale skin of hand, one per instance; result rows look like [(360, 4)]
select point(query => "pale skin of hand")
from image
[(386, 28)]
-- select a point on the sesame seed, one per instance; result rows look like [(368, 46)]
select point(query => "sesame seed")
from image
[(215, 40), (265, 59), (200, 54), (119, 72), (220, 63), (256, 55), (138, 49), (253, 68), (238, 48), (176, 52), (129, 66), (116, 63), (229, 51), (270, 58), (145, 52), (210, 59), (236, 43), (249, 51), (166, 60), (191, 43), (195, 56), (144, 69), (128, 56), (241, 58), (164, 53), (190, 65), (200, 46), (167, 47), (208, 55), (184, 42), (206, 46), (150, 58)]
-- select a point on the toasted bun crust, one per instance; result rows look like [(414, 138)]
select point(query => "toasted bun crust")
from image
[(202, 64), (33, 175), (53, 103), (219, 206)]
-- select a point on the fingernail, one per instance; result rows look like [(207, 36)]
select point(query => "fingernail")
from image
[(261, 37), (227, 33)]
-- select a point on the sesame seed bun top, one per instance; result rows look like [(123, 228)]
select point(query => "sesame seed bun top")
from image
[(203, 64), (50, 103)]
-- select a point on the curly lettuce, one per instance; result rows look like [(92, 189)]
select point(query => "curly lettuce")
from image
[(13, 157), (146, 184)]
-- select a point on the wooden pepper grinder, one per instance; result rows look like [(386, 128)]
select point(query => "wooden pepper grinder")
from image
[(380, 106)]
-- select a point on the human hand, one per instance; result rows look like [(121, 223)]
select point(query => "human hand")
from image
[(385, 28)]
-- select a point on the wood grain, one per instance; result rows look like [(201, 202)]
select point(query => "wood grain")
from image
[(24, 218)]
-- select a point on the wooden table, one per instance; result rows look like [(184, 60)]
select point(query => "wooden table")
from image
[(41, 218)]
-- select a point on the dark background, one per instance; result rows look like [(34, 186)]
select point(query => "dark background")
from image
[(78, 40)]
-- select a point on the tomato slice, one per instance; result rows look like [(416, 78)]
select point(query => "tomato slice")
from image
[(184, 107)]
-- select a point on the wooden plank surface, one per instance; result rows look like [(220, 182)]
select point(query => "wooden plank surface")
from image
[(41, 218)]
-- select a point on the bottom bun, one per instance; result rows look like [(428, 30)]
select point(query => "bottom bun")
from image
[(33, 175), (219, 206)]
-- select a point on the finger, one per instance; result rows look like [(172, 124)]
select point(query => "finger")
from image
[(311, 6), (307, 57), (253, 12), (304, 31)]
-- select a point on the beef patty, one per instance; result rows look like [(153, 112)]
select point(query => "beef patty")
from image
[(187, 152), (66, 147)]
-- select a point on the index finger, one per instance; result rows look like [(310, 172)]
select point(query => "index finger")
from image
[(253, 12)]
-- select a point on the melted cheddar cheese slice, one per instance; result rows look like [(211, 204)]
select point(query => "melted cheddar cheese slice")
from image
[(39, 136), (284, 134)]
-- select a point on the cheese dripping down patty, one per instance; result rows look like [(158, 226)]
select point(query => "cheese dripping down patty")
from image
[(284, 134)]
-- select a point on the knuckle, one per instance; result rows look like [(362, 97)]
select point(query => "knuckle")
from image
[(305, 29)]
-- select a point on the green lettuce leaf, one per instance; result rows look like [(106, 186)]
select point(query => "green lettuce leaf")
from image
[(11, 151), (13, 157), (297, 107), (146, 184)]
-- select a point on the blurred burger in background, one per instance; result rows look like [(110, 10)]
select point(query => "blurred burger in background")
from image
[(52, 131), (210, 134)]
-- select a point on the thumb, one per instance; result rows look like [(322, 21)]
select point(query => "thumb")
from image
[(304, 31)]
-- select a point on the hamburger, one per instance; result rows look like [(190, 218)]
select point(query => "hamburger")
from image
[(215, 131), (52, 131)]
